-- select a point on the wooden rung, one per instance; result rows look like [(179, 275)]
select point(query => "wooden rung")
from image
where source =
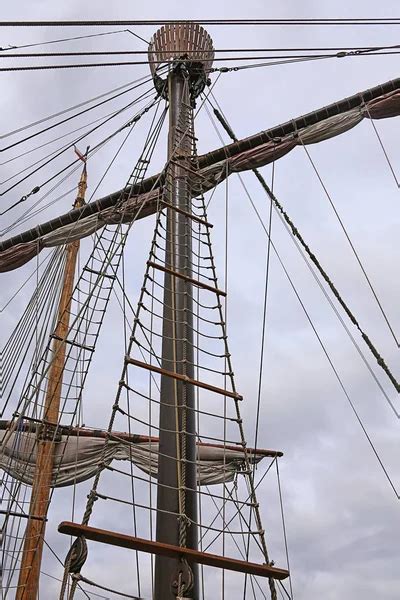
[(99, 273), (195, 282), (192, 556), (185, 378), (185, 133), (22, 515), (187, 214)]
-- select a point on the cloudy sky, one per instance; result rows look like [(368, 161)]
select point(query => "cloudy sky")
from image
[(342, 516)]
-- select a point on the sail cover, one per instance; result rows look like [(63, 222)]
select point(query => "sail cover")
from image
[(77, 458)]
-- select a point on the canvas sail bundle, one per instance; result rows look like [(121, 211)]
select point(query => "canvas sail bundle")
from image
[(77, 458)]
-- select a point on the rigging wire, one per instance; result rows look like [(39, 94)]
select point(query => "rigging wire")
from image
[(67, 359), (59, 151), (357, 49), (295, 59), (383, 148), (355, 412), (266, 287), (56, 139), (76, 161), (353, 249), (70, 39), (284, 528), (233, 22), (296, 234), (45, 259), (70, 108), (82, 579), (67, 119), (46, 367), (327, 355)]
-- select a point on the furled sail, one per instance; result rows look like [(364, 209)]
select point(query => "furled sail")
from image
[(256, 151), (77, 458)]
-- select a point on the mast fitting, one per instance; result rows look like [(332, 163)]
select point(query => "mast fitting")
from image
[(181, 47)]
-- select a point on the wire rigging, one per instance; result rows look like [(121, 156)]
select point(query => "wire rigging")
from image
[(286, 60), (295, 232), (296, 235), (236, 22), (76, 106), (76, 161), (67, 119), (353, 249), (70, 39)]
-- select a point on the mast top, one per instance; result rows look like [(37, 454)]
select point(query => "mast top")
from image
[(181, 45)]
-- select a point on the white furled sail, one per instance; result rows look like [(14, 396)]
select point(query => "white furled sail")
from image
[(77, 458)]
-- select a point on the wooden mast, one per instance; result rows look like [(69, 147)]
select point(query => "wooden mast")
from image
[(29, 574), (175, 525)]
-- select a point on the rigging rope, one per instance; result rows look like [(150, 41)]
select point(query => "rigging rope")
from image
[(236, 22), (295, 232), (132, 121), (328, 195), (296, 235), (70, 39)]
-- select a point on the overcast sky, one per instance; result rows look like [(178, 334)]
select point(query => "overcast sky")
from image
[(342, 516)]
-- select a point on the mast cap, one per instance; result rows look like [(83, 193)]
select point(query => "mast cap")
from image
[(185, 44)]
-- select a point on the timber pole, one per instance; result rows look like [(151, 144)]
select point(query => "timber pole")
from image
[(176, 472), (29, 574), (177, 514)]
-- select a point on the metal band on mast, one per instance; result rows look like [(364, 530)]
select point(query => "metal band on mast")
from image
[(174, 577)]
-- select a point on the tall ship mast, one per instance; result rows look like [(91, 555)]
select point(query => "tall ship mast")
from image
[(163, 501)]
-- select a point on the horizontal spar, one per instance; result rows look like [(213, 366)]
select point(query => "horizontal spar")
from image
[(381, 101), (183, 378), (194, 282), (203, 558), (29, 424)]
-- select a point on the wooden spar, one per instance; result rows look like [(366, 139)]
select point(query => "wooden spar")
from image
[(195, 282), (160, 549), (133, 438), (183, 378), (29, 574)]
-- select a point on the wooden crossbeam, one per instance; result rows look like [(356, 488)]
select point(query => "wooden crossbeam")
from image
[(185, 213), (195, 282), (184, 378), (102, 273), (133, 438), (71, 342), (194, 556)]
